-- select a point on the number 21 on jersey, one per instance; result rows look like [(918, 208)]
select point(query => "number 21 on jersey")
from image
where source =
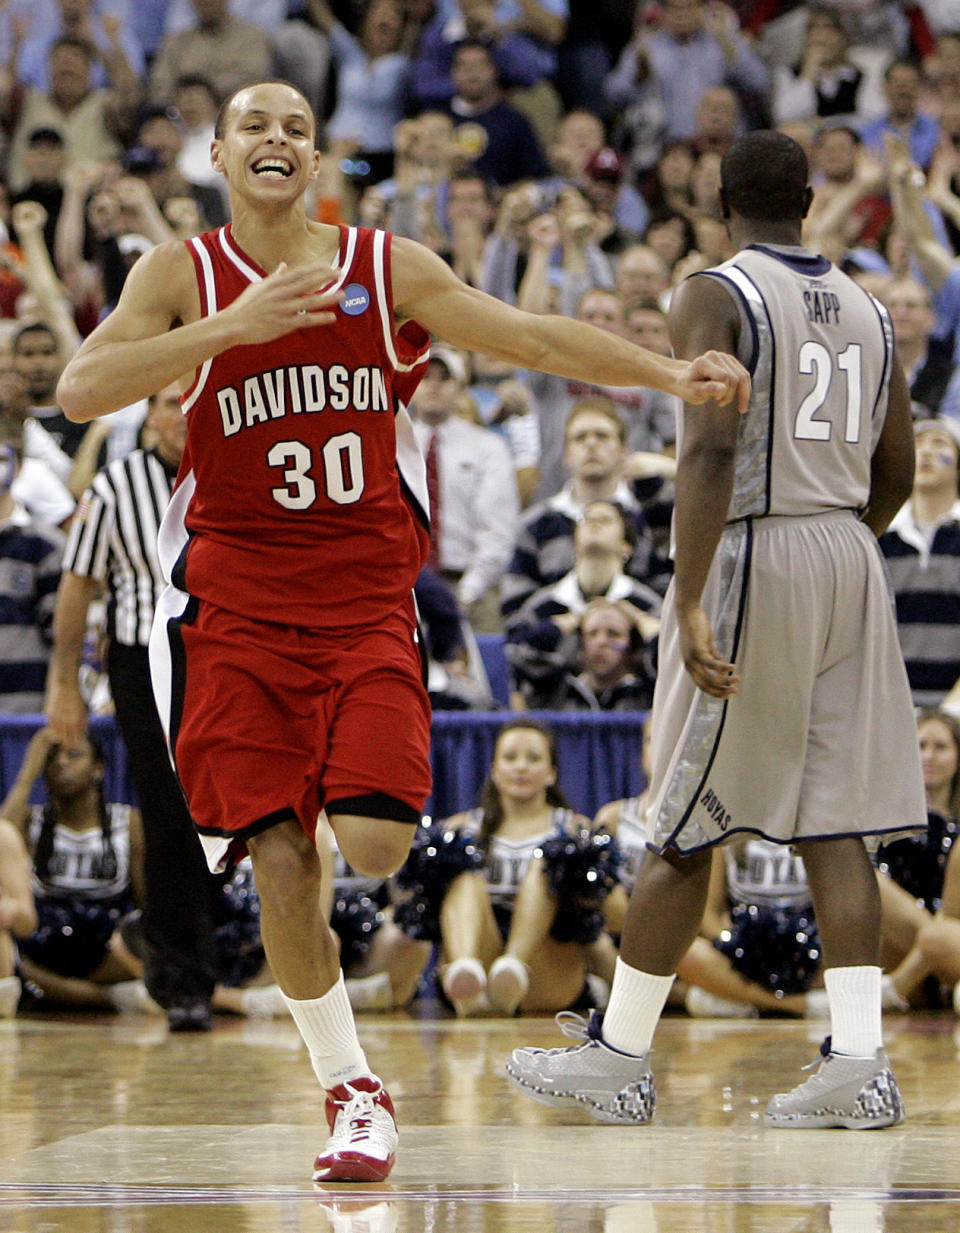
[(816, 360)]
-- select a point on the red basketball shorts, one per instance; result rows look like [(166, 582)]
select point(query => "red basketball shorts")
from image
[(268, 719)]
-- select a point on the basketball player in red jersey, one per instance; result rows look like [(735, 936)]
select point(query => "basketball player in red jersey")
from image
[(284, 652)]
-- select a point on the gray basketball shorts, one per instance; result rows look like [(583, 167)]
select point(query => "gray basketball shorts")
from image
[(821, 740)]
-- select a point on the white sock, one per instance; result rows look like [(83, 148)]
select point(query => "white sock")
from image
[(855, 1019), (636, 1002), (330, 1034)]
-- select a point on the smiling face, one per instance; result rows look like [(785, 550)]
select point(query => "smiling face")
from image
[(266, 143), (938, 755), (522, 765)]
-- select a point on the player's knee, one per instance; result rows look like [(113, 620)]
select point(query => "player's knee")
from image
[(283, 855), (373, 847), (934, 942)]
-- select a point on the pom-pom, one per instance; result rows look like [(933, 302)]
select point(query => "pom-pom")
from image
[(355, 920), (437, 857), (581, 870), (778, 948)]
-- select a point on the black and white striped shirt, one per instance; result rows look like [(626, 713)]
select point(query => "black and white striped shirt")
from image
[(113, 537)]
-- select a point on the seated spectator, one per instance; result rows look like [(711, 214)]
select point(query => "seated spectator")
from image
[(667, 189), (903, 117), (918, 876), (850, 205), (596, 457), (36, 486), (456, 679), (43, 160), (504, 145), (642, 277), (671, 237), (474, 503), (650, 416), (613, 197), (230, 53), (647, 327), (696, 47), (155, 158), (521, 38), (928, 364), (196, 108), (373, 82), (616, 672), (542, 638), (825, 81), (86, 855), (511, 890), (718, 122), (31, 556), (87, 21), (922, 547), (93, 122), (18, 913), (580, 134)]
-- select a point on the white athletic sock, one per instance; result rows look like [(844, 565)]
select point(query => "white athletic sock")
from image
[(636, 1002), (855, 1019), (330, 1034)]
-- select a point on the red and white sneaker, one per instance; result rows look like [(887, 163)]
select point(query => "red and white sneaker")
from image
[(363, 1134)]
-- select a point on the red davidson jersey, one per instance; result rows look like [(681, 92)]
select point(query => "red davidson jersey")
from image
[(302, 496)]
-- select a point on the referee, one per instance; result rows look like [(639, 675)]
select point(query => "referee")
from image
[(113, 545)]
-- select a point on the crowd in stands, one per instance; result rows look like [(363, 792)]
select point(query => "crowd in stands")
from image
[(562, 155)]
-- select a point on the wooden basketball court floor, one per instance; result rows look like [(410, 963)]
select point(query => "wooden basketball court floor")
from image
[(112, 1125)]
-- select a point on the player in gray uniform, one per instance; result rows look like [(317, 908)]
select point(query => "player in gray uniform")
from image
[(782, 706)]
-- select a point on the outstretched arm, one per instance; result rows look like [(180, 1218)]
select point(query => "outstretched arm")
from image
[(425, 290), (135, 352), (702, 315)]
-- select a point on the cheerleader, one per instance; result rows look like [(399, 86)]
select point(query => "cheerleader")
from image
[(511, 890), (86, 857)]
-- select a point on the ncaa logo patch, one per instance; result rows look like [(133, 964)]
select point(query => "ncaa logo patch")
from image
[(356, 300)]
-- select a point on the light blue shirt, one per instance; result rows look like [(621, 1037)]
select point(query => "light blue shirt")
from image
[(510, 10), (44, 28), (371, 94)]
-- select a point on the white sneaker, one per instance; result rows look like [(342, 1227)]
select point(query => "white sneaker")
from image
[(817, 1004), (363, 1134), (890, 999), (701, 1004), (370, 992), (507, 984), (10, 990), (130, 997), (264, 1002)]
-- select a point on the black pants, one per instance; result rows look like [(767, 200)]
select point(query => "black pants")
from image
[(176, 919)]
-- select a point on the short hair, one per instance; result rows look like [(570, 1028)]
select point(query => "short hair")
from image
[(467, 174), (629, 527), (597, 405), (220, 123), (825, 130), (33, 327), (764, 175), (902, 62), (188, 81), (81, 45)]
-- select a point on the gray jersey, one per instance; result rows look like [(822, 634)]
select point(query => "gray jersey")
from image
[(819, 349)]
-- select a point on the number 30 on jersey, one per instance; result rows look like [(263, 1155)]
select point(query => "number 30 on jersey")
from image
[(342, 462)]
